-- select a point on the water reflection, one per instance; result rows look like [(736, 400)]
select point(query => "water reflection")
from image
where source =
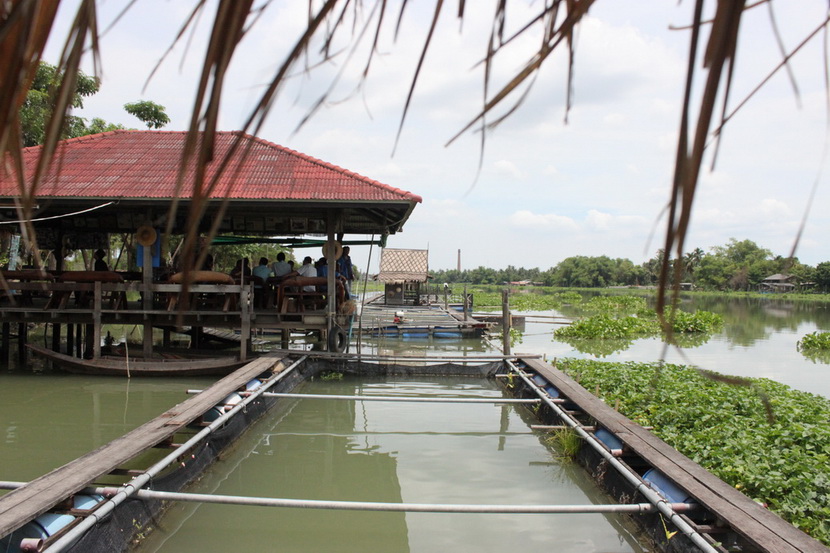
[(758, 339)]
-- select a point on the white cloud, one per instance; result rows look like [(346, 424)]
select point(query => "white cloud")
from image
[(507, 168), (528, 220)]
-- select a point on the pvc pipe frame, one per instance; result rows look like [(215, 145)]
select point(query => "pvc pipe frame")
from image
[(126, 491), (659, 502), (631, 508), (397, 398)]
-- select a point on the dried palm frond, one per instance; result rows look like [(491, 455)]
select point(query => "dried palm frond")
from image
[(25, 26)]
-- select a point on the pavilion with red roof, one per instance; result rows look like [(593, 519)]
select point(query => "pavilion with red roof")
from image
[(131, 181)]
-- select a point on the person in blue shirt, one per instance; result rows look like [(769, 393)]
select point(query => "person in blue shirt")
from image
[(344, 267)]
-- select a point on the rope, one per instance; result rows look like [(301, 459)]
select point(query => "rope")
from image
[(57, 216)]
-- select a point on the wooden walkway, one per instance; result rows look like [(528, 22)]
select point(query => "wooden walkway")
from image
[(39, 495), (759, 526)]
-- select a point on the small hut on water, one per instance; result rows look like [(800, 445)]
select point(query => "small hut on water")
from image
[(127, 181), (403, 272)]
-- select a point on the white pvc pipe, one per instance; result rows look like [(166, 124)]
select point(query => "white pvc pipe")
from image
[(397, 398), (632, 508)]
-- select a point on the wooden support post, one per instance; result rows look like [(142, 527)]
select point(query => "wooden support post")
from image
[(464, 304), (147, 298), (505, 321), (70, 339), (165, 340), (245, 330), (96, 322), (22, 331), (285, 338), (79, 339), (89, 334), (7, 345), (56, 337), (331, 294)]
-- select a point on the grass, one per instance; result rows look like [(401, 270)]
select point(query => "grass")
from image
[(565, 441)]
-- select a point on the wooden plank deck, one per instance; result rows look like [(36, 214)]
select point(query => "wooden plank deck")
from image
[(380, 319), (759, 526), (39, 495)]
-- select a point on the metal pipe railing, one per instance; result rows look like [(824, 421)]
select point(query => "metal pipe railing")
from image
[(630, 508), (128, 490), (498, 400), (659, 502)]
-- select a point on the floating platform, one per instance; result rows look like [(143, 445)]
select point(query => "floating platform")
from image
[(417, 322), (681, 506)]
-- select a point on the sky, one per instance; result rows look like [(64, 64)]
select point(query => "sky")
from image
[(544, 188)]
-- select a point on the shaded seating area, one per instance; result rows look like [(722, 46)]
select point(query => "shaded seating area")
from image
[(272, 195)]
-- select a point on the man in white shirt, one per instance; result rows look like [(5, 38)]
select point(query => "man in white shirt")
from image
[(307, 269)]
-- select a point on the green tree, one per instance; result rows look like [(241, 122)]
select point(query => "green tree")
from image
[(691, 261), (714, 272), (151, 113), (39, 104), (822, 275), (98, 125)]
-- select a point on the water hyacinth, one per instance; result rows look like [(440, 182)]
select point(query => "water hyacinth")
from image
[(783, 462), (814, 341)]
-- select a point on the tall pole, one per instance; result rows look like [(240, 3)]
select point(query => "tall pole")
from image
[(505, 320), (147, 298)]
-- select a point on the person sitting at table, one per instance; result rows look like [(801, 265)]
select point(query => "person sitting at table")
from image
[(307, 269), (208, 264), (263, 273), (241, 269), (100, 264), (281, 267), (323, 271)]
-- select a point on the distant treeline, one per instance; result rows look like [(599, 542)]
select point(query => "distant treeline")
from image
[(735, 266)]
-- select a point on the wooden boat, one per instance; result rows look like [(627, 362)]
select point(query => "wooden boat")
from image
[(123, 366)]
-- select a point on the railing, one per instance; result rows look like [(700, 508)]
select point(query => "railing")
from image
[(111, 297), (451, 299), (98, 303)]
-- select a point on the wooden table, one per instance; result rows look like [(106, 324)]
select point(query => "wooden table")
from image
[(60, 298), (294, 288), (202, 300), (26, 275)]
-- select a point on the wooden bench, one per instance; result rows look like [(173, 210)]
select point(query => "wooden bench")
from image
[(195, 301), (116, 298)]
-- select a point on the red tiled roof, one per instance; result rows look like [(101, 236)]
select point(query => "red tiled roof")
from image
[(144, 164)]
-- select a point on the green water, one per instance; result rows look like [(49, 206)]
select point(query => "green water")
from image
[(47, 420), (392, 452)]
